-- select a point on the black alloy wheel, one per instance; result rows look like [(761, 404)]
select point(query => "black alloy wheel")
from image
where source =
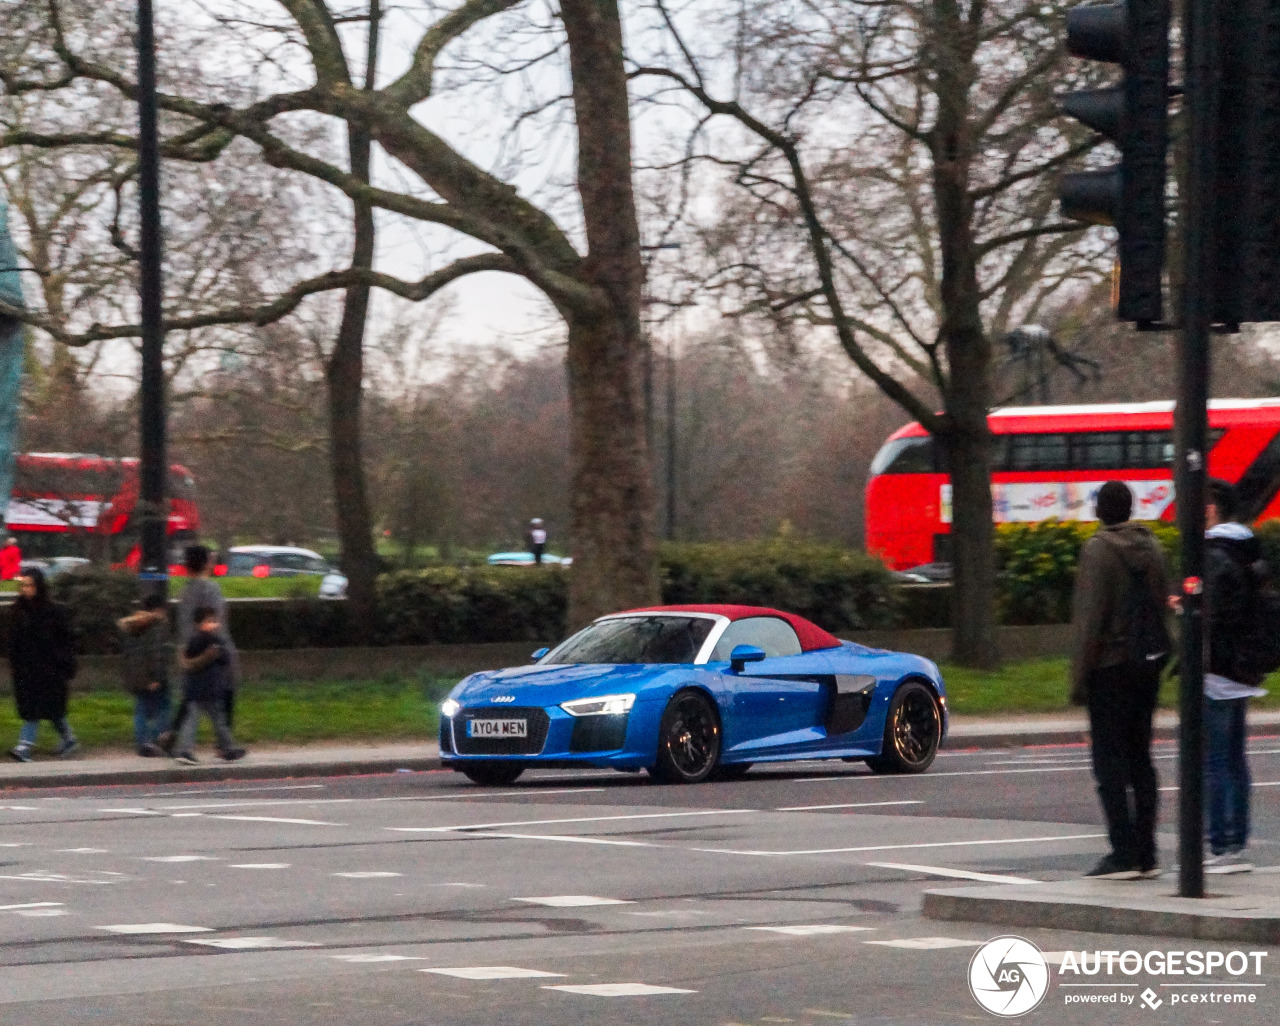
[(493, 774), (912, 731), (688, 740)]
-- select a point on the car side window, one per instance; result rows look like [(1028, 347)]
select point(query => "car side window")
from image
[(775, 636)]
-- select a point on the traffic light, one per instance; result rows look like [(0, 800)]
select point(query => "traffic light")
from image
[(1135, 116)]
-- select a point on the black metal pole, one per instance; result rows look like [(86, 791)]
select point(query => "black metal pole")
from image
[(152, 511), (1202, 88)]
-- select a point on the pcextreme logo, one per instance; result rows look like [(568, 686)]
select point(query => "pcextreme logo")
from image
[(1008, 976)]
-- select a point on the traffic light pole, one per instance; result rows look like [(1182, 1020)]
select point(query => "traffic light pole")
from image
[(152, 506), (1203, 64)]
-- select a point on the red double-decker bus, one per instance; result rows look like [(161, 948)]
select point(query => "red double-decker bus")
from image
[(1049, 461), (73, 504)]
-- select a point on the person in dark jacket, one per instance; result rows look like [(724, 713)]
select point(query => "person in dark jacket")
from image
[(42, 656), (1122, 588), (206, 669), (147, 655), (1230, 582)]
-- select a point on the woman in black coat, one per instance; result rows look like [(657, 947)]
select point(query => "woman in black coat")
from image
[(43, 660)]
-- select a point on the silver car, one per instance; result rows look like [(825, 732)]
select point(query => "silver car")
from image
[(286, 561)]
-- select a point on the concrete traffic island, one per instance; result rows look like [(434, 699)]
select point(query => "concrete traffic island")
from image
[(1237, 907)]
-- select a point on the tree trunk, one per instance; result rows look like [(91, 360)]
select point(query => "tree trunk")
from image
[(345, 377), (612, 506), (973, 640)]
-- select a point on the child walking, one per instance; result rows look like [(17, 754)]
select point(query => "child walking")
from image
[(147, 654), (206, 672)]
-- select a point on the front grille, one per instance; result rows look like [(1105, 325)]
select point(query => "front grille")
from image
[(538, 719), (598, 733)]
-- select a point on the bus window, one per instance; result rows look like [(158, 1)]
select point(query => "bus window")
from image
[(1038, 452), (1099, 451), (1258, 484), (905, 456)]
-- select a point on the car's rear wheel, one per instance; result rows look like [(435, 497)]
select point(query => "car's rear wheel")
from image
[(493, 774), (688, 740), (912, 731)]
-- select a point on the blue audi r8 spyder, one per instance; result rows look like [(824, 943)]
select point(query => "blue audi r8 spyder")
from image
[(690, 693)]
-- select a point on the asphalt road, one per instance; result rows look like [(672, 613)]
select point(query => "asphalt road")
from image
[(791, 896)]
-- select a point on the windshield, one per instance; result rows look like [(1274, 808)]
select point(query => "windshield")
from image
[(636, 639)]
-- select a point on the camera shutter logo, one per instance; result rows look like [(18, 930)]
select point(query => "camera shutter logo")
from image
[(1008, 976)]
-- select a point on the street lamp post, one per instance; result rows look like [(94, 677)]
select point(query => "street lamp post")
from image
[(152, 505)]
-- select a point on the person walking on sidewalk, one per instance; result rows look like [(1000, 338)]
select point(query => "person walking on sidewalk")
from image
[(202, 592), (206, 670), (147, 655), (1120, 645), (1233, 575), (42, 657)]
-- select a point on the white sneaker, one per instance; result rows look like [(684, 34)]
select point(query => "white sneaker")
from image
[(1228, 863)]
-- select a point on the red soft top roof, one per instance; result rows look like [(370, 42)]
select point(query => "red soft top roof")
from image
[(812, 637)]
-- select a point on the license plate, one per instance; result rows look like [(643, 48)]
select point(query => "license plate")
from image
[(497, 728)]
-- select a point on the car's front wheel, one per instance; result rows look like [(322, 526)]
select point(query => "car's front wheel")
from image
[(688, 740), (493, 774), (912, 731)]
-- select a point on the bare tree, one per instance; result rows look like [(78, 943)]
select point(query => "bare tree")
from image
[(901, 155), (596, 291)]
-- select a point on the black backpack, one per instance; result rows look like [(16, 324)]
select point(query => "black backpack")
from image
[(1258, 643), (1147, 638)]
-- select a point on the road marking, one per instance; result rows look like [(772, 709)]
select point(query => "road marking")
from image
[(40, 876), (82, 851), (259, 865), (180, 858), (16, 844), (829, 1015), (135, 812), (899, 847), (21, 808), (569, 819), (378, 958), (943, 773), (33, 912), (155, 928), (490, 972), (459, 885), (185, 815), (844, 805), (1255, 783), (469, 795), (927, 943), (957, 874), (251, 943), (31, 904), (366, 875), (810, 931), (574, 901), (565, 838), (275, 819), (235, 790), (617, 989)]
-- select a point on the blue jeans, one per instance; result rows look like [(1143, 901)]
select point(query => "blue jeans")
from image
[(27, 732), (150, 716), (1226, 774)]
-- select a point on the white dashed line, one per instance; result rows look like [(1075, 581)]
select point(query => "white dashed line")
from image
[(899, 847), (251, 943), (490, 972), (955, 874), (570, 819), (926, 943), (617, 989), (574, 901), (259, 865), (362, 959), (274, 819), (814, 930), (82, 851), (563, 838), (145, 928), (366, 875), (30, 904), (180, 858)]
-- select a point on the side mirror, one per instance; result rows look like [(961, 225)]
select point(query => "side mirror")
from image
[(743, 654), (539, 654)]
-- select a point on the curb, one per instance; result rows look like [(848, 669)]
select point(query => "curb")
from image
[(220, 771), (1002, 906)]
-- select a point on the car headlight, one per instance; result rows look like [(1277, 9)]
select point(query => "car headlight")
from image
[(449, 708), (605, 705)]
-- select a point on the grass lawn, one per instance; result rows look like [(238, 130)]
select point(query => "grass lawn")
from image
[(1040, 686), (388, 708), (238, 587)]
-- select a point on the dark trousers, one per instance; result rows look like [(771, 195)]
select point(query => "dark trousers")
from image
[(228, 711), (1122, 700), (1226, 774), (538, 549)]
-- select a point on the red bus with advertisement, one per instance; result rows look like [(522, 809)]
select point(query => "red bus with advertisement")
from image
[(1048, 461), (73, 504)]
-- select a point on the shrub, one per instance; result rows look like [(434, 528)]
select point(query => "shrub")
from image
[(838, 589), (95, 600)]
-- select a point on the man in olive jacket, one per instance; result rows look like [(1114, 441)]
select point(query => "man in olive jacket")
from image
[(1120, 646)]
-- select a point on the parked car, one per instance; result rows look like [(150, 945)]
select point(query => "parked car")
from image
[(65, 565), (696, 692), (286, 561), (526, 559)]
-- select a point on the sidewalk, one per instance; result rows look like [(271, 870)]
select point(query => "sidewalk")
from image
[(1239, 907), (336, 759)]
